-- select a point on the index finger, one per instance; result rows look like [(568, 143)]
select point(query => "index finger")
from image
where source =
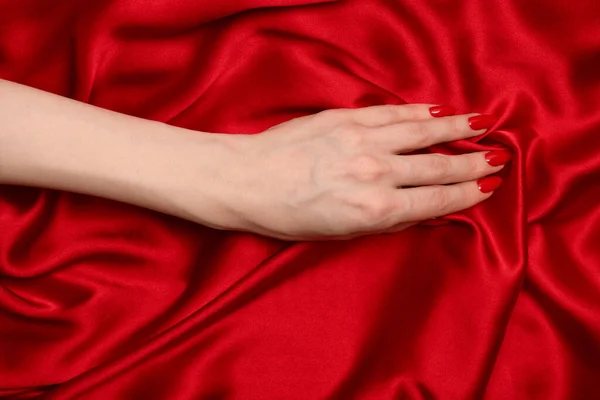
[(391, 114)]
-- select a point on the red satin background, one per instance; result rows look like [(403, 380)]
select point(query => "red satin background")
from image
[(102, 300)]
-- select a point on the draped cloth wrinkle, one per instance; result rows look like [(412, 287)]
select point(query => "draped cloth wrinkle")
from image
[(103, 300)]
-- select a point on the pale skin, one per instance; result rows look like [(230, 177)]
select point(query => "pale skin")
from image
[(337, 174)]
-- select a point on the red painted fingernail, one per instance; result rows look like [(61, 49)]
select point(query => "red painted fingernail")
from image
[(489, 183), (442, 111), (482, 122), (498, 157)]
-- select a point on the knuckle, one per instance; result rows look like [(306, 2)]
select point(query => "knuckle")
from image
[(419, 133), (411, 111), (440, 166), (440, 200), (368, 168), (375, 211), (454, 126), (389, 110)]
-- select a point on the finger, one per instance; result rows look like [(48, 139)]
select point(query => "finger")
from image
[(413, 135), (392, 114), (427, 202), (439, 169)]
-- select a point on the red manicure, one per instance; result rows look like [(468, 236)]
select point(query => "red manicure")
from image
[(498, 157), (489, 183), (442, 111), (482, 122)]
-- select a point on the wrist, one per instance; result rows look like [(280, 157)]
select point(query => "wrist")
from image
[(193, 175)]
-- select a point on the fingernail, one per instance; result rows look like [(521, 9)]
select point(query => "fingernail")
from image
[(489, 183), (442, 111), (482, 122), (498, 157)]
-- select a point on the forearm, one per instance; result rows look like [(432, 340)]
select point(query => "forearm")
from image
[(54, 142), (336, 174)]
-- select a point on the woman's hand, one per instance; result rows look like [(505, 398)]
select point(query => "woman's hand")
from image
[(336, 174), (341, 173)]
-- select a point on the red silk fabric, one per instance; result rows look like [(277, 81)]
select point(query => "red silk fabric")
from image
[(102, 300)]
